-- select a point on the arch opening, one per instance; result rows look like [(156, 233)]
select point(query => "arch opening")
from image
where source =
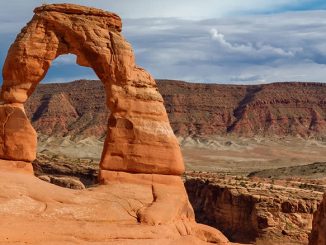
[(65, 69), (69, 115)]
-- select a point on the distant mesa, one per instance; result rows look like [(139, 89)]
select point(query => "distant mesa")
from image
[(199, 110), (318, 234)]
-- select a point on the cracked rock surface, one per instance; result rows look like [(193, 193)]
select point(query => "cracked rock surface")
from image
[(36, 212)]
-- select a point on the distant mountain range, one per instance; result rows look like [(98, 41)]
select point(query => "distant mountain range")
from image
[(198, 110)]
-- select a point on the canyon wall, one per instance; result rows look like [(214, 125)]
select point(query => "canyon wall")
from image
[(253, 212)]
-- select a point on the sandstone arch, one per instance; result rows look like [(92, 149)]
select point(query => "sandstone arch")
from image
[(139, 140), (141, 156)]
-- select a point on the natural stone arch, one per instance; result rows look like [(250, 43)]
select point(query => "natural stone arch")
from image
[(141, 156), (140, 138)]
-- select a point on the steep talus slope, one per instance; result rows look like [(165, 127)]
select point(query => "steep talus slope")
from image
[(69, 109), (297, 109), (281, 109), (199, 110)]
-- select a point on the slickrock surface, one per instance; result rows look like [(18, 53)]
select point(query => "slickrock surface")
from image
[(253, 211), (196, 110), (35, 212), (318, 234)]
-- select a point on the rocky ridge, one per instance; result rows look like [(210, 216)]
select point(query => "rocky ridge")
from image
[(196, 110)]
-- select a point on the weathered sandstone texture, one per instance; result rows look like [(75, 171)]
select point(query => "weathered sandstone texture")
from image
[(318, 234), (140, 138), (277, 109), (145, 200), (18, 137), (253, 211), (33, 211)]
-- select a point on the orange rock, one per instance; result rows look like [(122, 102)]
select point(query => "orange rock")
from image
[(18, 138), (140, 138), (50, 214), (170, 200), (16, 166), (145, 201), (318, 234)]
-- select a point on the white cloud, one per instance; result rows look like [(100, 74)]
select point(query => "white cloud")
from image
[(248, 48), (67, 59)]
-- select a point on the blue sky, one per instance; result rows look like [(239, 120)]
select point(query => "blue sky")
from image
[(225, 41)]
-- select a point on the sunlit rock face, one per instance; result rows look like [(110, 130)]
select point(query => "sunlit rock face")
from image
[(141, 161), (140, 138)]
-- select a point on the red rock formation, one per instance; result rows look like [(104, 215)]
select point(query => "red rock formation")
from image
[(278, 109), (318, 234), (18, 137), (198, 110), (36, 212), (141, 154), (139, 138), (86, 98)]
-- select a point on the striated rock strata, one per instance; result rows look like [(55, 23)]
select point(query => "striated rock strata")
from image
[(139, 137), (35, 212), (197, 110)]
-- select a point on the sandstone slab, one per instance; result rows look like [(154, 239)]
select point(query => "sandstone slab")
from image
[(48, 214)]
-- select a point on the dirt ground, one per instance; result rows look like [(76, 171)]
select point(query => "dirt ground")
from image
[(238, 156)]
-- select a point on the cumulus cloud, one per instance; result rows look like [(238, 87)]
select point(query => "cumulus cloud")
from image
[(249, 48)]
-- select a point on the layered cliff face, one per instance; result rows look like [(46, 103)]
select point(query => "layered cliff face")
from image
[(197, 110), (318, 234), (76, 108), (279, 109), (254, 211)]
